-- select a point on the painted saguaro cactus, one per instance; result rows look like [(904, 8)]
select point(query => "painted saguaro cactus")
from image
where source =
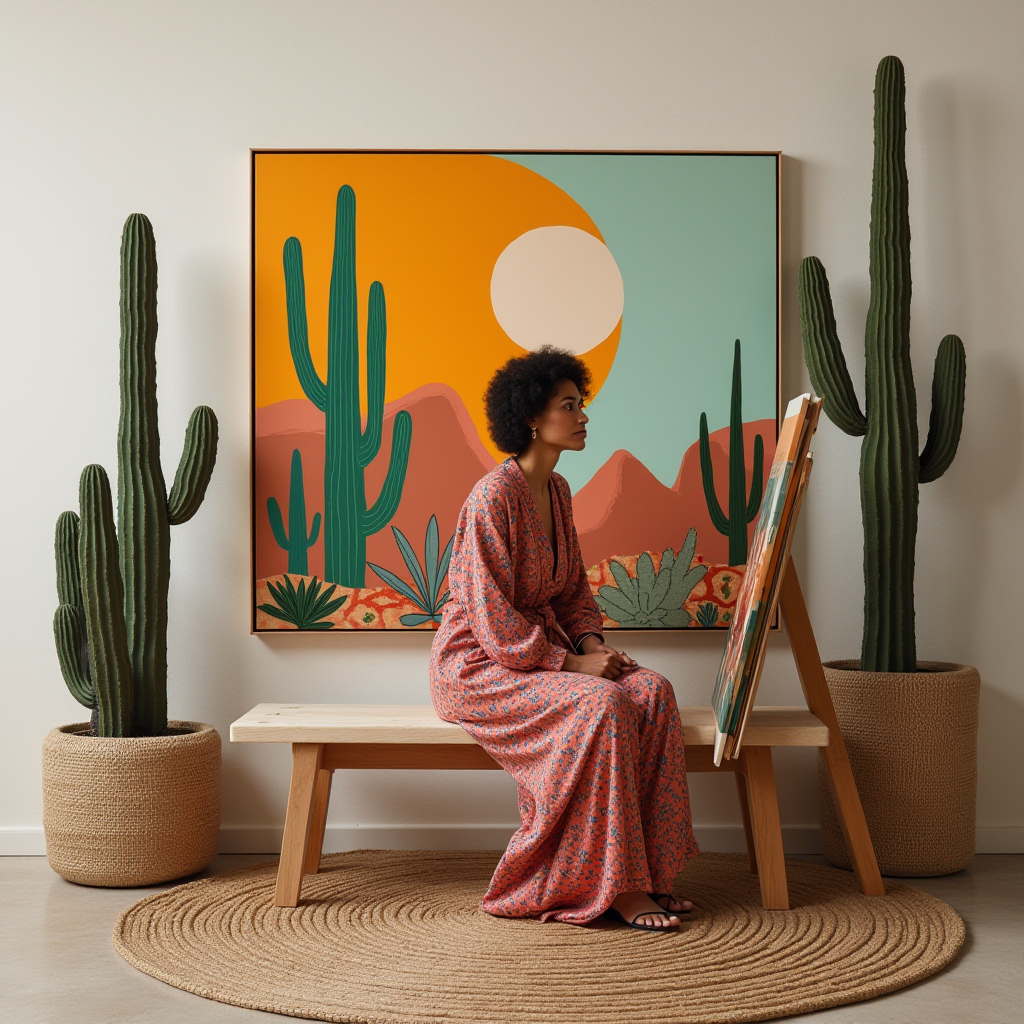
[(348, 449), (295, 541), (891, 468), (111, 623), (742, 508)]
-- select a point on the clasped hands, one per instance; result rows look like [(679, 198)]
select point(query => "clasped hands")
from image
[(598, 659)]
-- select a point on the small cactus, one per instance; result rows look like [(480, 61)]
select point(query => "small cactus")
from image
[(295, 541), (742, 509)]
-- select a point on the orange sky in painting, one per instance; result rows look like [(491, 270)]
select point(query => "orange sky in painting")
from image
[(429, 227)]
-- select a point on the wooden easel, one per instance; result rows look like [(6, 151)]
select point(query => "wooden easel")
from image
[(837, 762)]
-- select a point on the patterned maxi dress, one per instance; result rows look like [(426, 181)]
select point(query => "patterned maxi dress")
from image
[(598, 763)]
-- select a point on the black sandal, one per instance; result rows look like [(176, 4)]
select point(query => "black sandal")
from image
[(669, 896), (616, 916)]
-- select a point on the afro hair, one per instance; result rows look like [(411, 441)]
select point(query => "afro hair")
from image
[(521, 390)]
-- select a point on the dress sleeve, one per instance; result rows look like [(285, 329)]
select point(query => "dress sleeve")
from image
[(483, 582), (575, 608)]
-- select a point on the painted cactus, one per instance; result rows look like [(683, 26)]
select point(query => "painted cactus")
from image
[(111, 624), (295, 541), (348, 449), (742, 508), (891, 468)]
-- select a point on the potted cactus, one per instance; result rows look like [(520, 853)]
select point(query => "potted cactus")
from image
[(129, 798), (910, 726)]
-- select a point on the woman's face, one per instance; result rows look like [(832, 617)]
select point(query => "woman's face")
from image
[(563, 423)]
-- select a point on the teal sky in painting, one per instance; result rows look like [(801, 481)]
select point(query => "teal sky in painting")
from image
[(694, 237)]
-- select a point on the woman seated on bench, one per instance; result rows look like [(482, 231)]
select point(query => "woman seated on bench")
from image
[(593, 740)]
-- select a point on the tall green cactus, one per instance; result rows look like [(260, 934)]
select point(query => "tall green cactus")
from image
[(348, 449), (111, 624), (890, 467), (295, 541), (742, 508)]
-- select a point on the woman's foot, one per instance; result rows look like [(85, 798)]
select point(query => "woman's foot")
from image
[(668, 902), (638, 908)]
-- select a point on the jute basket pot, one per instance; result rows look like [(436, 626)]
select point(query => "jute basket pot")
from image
[(913, 744), (131, 811)]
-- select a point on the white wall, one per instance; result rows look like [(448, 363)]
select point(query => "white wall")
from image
[(108, 108)]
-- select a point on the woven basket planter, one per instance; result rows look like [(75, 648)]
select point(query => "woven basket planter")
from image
[(913, 744), (131, 811)]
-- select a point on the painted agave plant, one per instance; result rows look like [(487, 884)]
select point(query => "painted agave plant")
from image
[(653, 599), (425, 589)]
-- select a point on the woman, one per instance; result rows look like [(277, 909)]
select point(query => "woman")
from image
[(592, 740)]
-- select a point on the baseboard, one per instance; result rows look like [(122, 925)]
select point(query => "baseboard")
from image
[(22, 842), (796, 839), (999, 839)]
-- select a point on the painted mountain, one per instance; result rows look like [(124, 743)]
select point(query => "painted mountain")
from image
[(624, 502), (621, 513)]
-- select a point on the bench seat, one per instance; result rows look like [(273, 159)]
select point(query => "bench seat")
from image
[(401, 723)]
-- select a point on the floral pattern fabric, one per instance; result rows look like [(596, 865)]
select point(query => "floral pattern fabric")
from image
[(599, 763)]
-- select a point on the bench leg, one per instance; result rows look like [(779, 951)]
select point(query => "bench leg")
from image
[(766, 826), (306, 761), (321, 798), (748, 835)]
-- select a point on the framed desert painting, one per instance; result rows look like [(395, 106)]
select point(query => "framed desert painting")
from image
[(387, 287)]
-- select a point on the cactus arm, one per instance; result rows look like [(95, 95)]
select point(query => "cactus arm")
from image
[(756, 479), (69, 586), (72, 652), (379, 515), (69, 638), (195, 468), (314, 531), (707, 472), (376, 347), (298, 330), (826, 363), (103, 604), (277, 523), (947, 415)]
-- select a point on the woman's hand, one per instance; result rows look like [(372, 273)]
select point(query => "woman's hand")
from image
[(598, 659)]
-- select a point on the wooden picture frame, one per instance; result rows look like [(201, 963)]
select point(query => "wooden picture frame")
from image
[(480, 256)]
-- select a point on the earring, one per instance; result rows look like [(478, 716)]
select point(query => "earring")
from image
[(533, 433)]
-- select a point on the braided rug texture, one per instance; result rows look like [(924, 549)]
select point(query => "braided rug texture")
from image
[(398, 937)]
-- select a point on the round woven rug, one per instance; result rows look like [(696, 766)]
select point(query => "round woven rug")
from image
[(396, 937)]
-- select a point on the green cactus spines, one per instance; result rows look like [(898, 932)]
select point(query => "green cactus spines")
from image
[(295, 541), (891, 468), (111, 624), (742, 508), (348, 449), (145, 513), (103, 604)]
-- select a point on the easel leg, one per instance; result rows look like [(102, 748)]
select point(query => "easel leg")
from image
[(766, 826), (748, 835), (321, 798), (819, 702), (306, 761)]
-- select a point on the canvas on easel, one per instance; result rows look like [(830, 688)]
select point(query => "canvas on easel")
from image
[(758, 599)]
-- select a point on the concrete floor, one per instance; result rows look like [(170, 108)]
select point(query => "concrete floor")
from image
[(57, 963)]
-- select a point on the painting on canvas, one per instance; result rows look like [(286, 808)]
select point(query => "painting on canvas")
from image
[(387, 287)]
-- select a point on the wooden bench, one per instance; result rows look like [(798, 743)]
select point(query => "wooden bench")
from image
[(326, 737)]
